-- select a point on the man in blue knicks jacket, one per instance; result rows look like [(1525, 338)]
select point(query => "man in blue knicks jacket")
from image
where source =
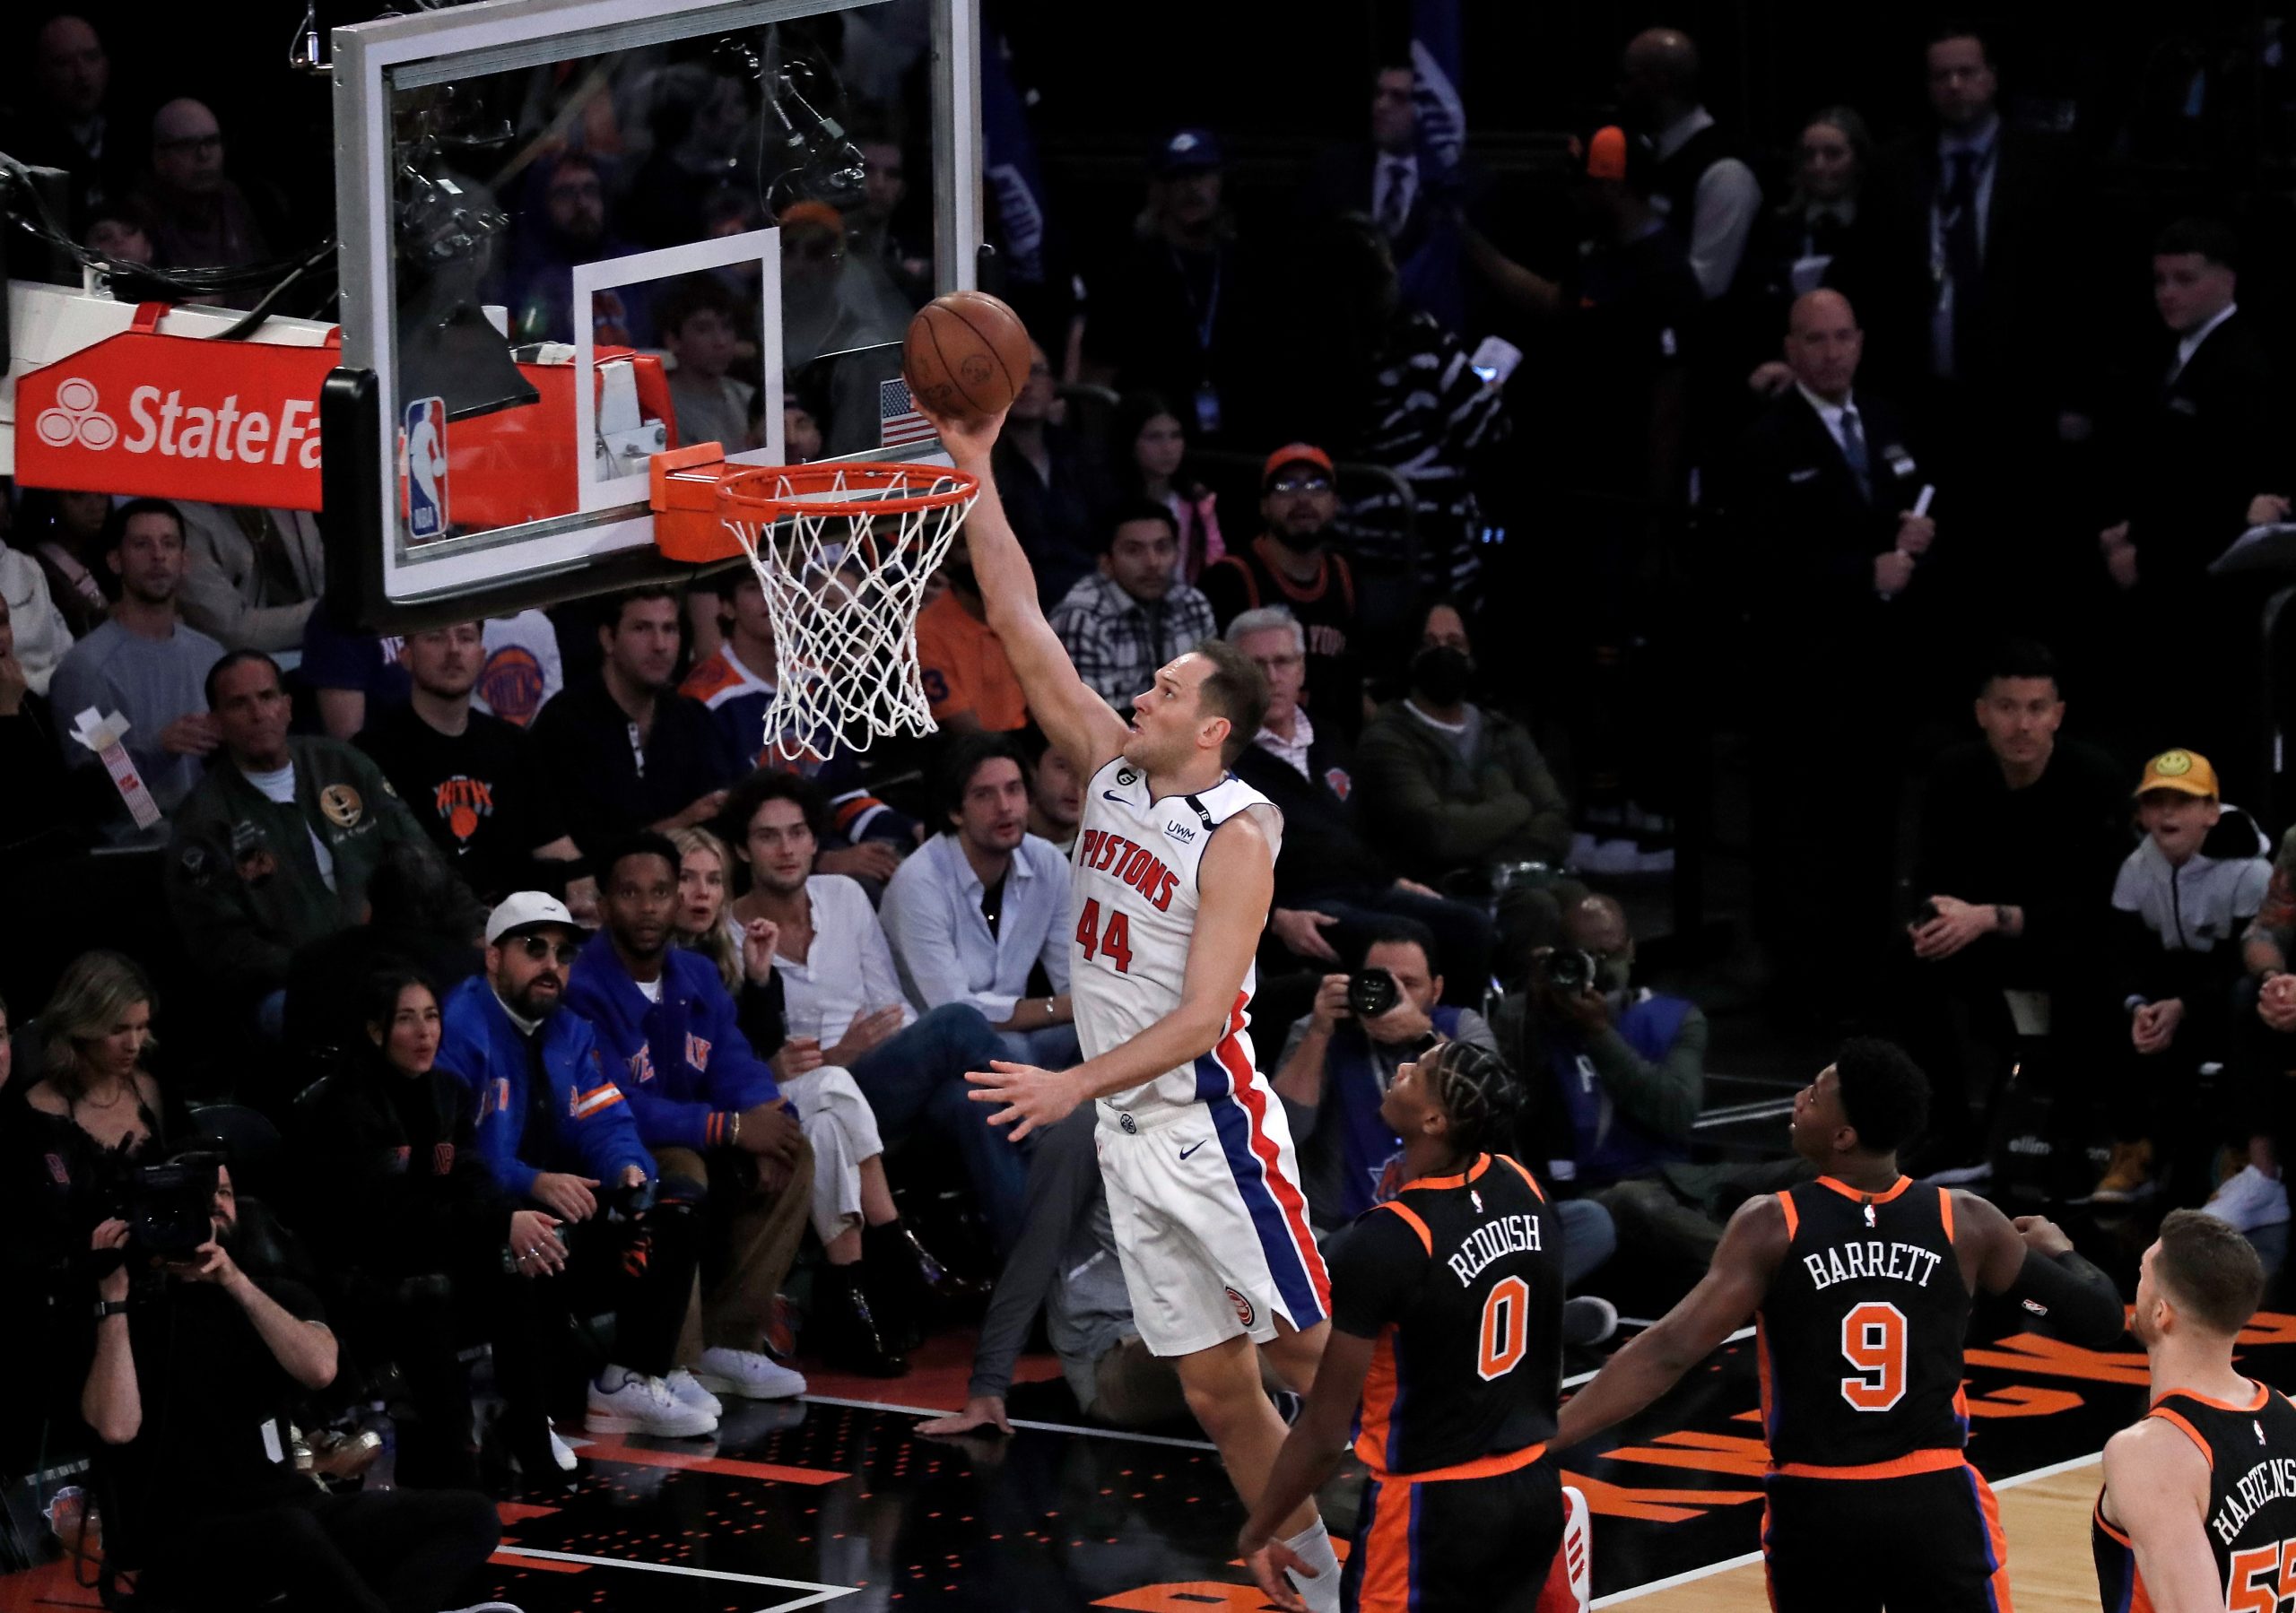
[(556, 1132), (705, 1103)]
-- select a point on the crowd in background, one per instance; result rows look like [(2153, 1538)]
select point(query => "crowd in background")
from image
[(1831, 507)]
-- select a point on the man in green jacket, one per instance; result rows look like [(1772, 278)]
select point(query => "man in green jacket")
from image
[(274, 846)]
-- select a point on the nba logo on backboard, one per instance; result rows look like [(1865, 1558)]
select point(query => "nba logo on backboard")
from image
[(424, 457)]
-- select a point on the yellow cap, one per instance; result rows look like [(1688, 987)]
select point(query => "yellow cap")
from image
[(2183, 770)]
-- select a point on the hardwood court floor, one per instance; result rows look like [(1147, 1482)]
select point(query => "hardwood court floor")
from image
[(2050, 1570)]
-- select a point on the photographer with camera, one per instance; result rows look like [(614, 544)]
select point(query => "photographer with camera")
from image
[(556, 1132), (1617, 1076), (198, 1366)]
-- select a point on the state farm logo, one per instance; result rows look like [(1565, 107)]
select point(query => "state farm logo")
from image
[(76, 418)]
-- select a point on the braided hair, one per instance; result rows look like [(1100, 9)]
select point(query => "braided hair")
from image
[(1479, 1094)]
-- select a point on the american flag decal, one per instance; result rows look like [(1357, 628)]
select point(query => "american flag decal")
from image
[(899, 424)]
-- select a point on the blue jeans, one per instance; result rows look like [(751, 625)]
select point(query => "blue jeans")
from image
[(1048, 1047), (917, 1078), (1589, 1237)]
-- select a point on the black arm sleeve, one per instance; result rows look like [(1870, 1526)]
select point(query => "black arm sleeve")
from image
[(2077, 1298)]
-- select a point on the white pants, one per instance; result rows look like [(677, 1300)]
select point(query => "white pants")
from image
[(838, 1121)]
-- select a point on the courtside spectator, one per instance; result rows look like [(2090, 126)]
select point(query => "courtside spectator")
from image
[(564, 222), (523, 672), (967, 678), (419, 919), (200, 217), (42, 633), (251, 577), (188, 1395), (66, 532), (2182, 902), (557, 1133), (37, 799), (143, 663), (1148, 447), (843, 993), (1708, 196), (983, 907), (74, 124), (1056, 794), (1131, 616), (699, 326), (2014, 855), (621, 747), (1414, 201), (1456, 786), (353, 676), (274, 848), (472, 781), (1048, 488), (1332, 888), (706, 1106), (1796, 242), (1292, 563), (735, 683)]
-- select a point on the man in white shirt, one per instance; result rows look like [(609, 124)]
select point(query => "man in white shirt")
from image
[(982, 904), (1708, 197), (841, 990)]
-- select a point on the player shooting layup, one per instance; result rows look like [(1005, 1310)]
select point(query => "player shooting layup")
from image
[(1173, 872)]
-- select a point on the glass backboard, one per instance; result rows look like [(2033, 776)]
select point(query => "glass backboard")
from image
[(576, 232)]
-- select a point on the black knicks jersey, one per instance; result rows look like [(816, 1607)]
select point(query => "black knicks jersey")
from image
[(1860, 1335), (2251, 1523), (1459, 1282)]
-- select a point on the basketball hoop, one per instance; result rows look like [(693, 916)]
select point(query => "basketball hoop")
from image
[(843, 553)]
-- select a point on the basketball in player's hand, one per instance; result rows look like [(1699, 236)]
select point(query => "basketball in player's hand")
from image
[(966, 355)]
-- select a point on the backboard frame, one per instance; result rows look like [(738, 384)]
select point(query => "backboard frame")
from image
[(374, 580)]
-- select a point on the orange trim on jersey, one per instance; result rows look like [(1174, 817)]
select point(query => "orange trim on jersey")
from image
[(1945, 1210), (1999, 1541), (1529, 1180), (1426, 1239), (1482, 1467), (1920, 1461), (1793, 1216), (1859, 1196), (2253, 1406), (2105, 1523), (1378, 1400), (1481, 1164), (1761, 1372), (1385, 1552), (712, 677), (2191, 1433)]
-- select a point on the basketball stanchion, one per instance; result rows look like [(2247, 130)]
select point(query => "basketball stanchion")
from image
[(843, 553)]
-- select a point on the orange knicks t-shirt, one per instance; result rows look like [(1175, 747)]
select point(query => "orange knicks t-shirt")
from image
[(965, 669)]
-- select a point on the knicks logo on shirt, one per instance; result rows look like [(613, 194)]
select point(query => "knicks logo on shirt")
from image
[(697, 1051), (463, 802), (442, 1159), (1132, 864), (1337, 781), (641, 1062), (511, 684)]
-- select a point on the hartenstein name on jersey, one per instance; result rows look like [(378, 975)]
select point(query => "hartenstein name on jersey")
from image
[(1906, 1262), (1508, 1234), (1131, 863), (2273, 1479)]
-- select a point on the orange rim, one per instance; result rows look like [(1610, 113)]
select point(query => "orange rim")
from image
[(770, 493)]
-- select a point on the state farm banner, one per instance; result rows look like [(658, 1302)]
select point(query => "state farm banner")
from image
[(176, 417)]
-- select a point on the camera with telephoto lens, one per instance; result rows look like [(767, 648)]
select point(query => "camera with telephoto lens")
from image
[(170, 1208), (1569, 970), (1371, 992)]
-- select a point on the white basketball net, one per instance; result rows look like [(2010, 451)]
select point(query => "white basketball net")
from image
[(844, 578)]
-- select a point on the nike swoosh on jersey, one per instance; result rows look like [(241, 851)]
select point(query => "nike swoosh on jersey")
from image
[(1112, 795), (1192, 1147)]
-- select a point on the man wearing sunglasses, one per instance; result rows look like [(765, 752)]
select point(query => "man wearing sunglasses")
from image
[(556, 1133), (1291, 564)]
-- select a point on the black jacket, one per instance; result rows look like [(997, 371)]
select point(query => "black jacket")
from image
[(2198, 448), (1809, 535), (604, 788), (1324, 855)]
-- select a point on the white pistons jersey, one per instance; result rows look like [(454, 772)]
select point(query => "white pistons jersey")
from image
[(1134, 885)]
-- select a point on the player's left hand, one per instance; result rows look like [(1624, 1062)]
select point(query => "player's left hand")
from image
[(1032, 1098), (1267, 1560)]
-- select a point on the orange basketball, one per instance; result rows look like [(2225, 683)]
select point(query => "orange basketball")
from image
[(966, 354)]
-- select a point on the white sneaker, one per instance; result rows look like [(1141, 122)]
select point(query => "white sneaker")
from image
[(2250, 1199), (748, 1375), (637, 1404), (688, 1391)]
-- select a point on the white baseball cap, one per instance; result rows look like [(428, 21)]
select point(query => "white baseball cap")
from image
[(523, 910)]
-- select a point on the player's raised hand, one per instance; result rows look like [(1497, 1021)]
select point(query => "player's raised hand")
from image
[(1032, 1098), (1267, 1560)]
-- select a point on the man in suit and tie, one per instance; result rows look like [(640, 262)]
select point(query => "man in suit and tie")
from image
[(1398, 185), (1822, 499), (2207, 428)]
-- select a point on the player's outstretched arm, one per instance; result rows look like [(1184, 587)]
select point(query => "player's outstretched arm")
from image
[(1309, 1453), (1730, 1292), (2156, 1493), (2032, 1259), (1236, 881), (1080, 724)]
